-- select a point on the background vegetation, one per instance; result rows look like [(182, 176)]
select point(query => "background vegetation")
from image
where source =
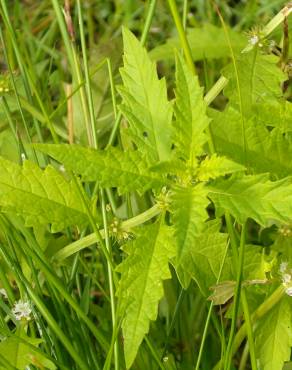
[(180, 183)]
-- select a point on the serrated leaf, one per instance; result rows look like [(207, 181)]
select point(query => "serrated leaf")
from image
[(173, 166), (204, 257), (188, 206), (140, 287), (215, 166), (258, 79), (207, 42), (21, 353), (200, 246), (253, 196), (128, 171), (273, 338), (266, 151), (41, 197), (190, 113), (145, 103), (275, 113)]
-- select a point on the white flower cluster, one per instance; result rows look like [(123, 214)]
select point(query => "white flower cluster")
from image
[(253, 40), (22, 310), (286, 277)]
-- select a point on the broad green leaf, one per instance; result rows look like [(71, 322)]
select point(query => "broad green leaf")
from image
[(274, 337), (253, 197), (140, 287), (215, 166), (204, 258), (282, 243), (173, 166), (255, 265), (254, 273), (222, 292), (258, 79), (145, 103), (188, 206), (275, 113), (266, 151), (128, 171), (190, 113), (207, 42), (41, 197), (23, 352)]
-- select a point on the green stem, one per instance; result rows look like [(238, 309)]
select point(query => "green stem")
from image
[(249, 328), (265, 307), (15, 91), (54, 326), (87, 76), (31, 250), (246, 312), (244, 357), (185, 14), (97, 233), (228, 355), (182, 35), (171, 326), (205, 332), (110, 279), (238, 86), (23, 70), (92, 238), (215, 90), (154, 354), (148, 21)]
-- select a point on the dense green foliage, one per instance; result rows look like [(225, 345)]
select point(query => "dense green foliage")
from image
[(145, 201)]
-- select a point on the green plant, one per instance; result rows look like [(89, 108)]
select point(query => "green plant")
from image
[(180, 200)]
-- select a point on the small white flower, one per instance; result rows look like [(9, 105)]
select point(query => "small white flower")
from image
[(23, 157), (3, 293), (155, 29), (286, 278), (288, 291), (283, 267), (62, 168), (165, 358), (253, 40), (22, 310)]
